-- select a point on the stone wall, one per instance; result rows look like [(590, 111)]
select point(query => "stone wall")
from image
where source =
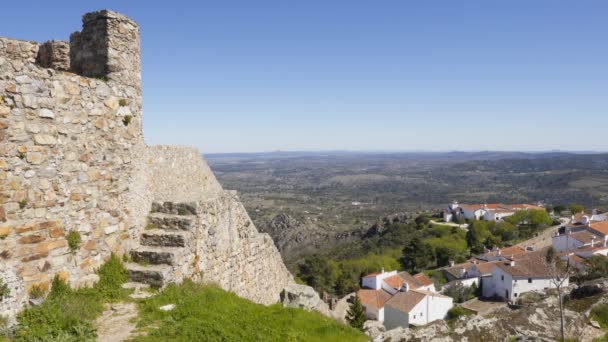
[(72, 158)]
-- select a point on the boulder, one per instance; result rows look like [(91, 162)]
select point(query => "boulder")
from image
[(300, 296)]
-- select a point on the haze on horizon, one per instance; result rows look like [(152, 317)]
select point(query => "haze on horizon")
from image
[(242, 76)]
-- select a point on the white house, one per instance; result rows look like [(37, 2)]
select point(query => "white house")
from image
[(415, 307), (512, 278), (489, 212), (378, 288), (576, 238)]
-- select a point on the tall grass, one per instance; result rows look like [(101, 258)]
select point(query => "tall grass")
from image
[(207, 313)]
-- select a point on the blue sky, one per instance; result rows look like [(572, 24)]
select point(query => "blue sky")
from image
[(241, 76)]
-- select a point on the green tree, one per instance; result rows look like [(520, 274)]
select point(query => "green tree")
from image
[(417, 256), (475, 238), (316, 271), (356, 314), (576, 208), (422, 221), (559, 208)]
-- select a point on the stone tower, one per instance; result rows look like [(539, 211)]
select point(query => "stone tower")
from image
[(108, 46)]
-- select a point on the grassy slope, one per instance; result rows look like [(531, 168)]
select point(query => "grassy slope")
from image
[(207, 313)]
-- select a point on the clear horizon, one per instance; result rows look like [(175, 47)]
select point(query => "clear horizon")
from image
[(243, 77)]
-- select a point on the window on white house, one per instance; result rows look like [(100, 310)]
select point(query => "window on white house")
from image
[(421, 314), (530, 280), (414, 316), (515, 294), (502, 277)]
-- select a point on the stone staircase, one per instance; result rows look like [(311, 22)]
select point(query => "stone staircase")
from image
[(165, 246)]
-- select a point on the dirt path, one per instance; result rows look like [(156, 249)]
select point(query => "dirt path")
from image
[(115, 324), (544, 239)]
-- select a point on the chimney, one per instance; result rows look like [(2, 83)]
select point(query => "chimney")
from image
[(404, 287), (604, 245), (592, 242), (512, 263), (451, 263), (499, 251), (382, 270)]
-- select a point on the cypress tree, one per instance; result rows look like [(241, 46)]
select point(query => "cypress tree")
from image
[(356, 314)]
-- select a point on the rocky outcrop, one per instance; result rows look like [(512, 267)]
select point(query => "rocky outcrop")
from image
[(305, 297)]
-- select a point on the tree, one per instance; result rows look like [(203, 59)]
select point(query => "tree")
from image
[(318, 273), (559, 272), (422, 221), (576, 208), (597, 267), (417, 256), (356, 314), (559, 208), (474, 238)]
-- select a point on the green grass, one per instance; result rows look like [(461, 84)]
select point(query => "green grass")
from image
[(67, 314), (208, 313), (600, 314)]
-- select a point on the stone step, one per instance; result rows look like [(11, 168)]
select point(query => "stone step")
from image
[(153, 275), (170, 222), (163, 238), (157, 255), (140, 290), (185, 208)]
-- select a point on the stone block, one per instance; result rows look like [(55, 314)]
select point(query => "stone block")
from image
[(5, 230), (30, 239), (45, 113), (47, 246), (35, 158), (45, 139)]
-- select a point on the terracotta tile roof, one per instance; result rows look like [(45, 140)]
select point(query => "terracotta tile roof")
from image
[(534, 265), (373, 298), (394, 281), (422, 279), (485, 268), (406, 301), (432, 294), (455, 270), (412, 282), (586, 236), (600, 227), (506, 252), (596, 247)]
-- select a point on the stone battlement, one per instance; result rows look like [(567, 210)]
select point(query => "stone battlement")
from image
[(73, 159)]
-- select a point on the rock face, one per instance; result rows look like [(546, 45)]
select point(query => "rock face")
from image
[(72, 161)]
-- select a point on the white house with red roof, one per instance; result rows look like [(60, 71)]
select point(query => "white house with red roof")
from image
[(415, 307), (378, 288), (513, 277), (487, 211)]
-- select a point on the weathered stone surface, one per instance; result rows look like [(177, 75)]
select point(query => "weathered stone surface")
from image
[(154, 256), (170, 222), (54, 54), (300, 296), (75, 166), (162, 238), (46, 113), (5, 230), (45, 139)]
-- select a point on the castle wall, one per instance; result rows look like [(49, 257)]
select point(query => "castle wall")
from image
[(72, 158)]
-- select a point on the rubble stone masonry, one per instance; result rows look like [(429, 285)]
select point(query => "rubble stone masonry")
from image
[(72, 158)]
